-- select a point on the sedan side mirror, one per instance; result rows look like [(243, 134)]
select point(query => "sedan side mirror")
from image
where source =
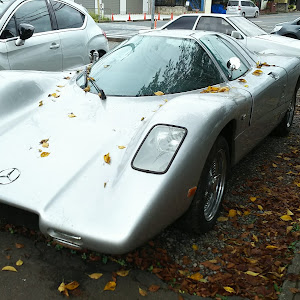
[(236, 35), (234, 63), (26, 31)]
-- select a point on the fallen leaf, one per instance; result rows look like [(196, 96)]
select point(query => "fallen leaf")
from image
[(196, 276), (242, 80), (153, 288), (107, 158), (142, 119), (260, 207), (71, 115), (274, 165), (19, 262), (60, 86), (61, 288), (286, 218), (257, 72), (222, 219), (159, 93), (41, 103), (294, 290), (105, 183), (191, 191), (271, 247), (232, 213), (255, 238), (110, 286), (54, 95), (44, 154), (95, 275), (246, 85), (121, 147), (252, 273), (72, 285), (87, 89), (9, 268), (45, 145), (253, 199), (142, 292), (229, 289), (195, 247), (289, 213), (289, 229), (67, 78), (19, 246), (123, 273)]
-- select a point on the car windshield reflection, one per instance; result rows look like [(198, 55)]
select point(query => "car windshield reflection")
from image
[(146, 65), (4, 5), (247, 27)]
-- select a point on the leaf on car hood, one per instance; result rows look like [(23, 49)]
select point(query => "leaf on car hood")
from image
[(45, 154), (257, 72), (60, 86), (159, 93), (54, 95), (71, 115), (41, 103), (242, 80), (87, 89), (121, 147), (107, 158), (216, 89)]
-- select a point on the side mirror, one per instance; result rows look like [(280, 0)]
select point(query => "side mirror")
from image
[(234, 63), (236, 35), (26, 31)]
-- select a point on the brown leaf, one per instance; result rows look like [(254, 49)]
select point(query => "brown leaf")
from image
[(41, 103), (211, 266), (153, 288), (87, 89), (191, 191), (123, 273), (19, 246), (294, 290)]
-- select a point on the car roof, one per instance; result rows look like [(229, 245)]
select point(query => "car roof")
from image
[(179, 33), (209, 15)]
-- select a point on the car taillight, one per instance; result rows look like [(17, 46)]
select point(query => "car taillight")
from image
[(239, 8)]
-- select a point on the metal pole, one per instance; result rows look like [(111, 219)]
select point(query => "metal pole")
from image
[(152, 13)]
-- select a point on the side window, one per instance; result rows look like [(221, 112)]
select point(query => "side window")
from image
[(66, 16), (183, 23), (34, 13), (222, 50), (214, 24), (10, 29)]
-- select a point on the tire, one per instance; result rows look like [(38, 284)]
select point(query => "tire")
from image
[(243, 15), (205, 207), (284, 127), (256, 14)]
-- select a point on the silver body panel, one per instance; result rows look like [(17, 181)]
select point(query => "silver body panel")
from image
[(54, 50), (67, 189)]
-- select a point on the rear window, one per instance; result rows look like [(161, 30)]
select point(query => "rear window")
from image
[(186, 22), (233, 3)]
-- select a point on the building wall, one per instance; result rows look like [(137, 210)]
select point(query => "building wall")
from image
[(111, 6), (134, 6), (88, 4)]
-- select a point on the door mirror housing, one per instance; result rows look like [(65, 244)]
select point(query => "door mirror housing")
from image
[(236, 35), (233, 64), (26, 31)]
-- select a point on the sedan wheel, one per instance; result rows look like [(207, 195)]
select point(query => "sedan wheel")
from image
[(205, 207), (256, 14)]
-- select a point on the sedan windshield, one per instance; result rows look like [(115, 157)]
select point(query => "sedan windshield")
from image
[(246, 27), (148, 64), (4, 5)]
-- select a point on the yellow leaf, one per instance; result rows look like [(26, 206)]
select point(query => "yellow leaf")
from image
[(110, 286), (95, 275), (246, 85), (264, 277), (87, 89), (229, 289), (255, 238), (251, 273), (54, 95), (252, 199), (44, 141), (271, 247), (9, 268), (289, 229), (45, 145), (142, 119), (60, 86), (247, 212), (107, 158), (242, 80), (19, 262), (195, 247), (184, 273), (41, 103), (159, 93), (72, 285), (239, 212), (252, 261), (123, 273), (142, 292), (289, 213), (44, 154), (257, 72), (222, 219), (67, 78), (232, 213), (121, 147), (71, 115), (274, 165), (196, 276), (260, 207), (286, 218), (61, 288)]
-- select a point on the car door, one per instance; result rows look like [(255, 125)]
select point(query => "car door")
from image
[(40, 52), (71, 25), (267, 85)]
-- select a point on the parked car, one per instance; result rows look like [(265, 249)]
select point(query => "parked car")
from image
[(248, 33), (290, 29), (47, 35), (111, 156), (242, 8)]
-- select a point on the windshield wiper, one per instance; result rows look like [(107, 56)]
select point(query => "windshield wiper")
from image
[(100, 92)]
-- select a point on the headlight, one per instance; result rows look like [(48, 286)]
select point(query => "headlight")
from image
[(159, 148), (276, 28)]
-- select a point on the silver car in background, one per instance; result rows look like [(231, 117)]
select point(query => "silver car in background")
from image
[(242, 8), (47, 35)]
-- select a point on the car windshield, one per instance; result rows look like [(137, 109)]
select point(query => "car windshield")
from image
[(233, 3), (246, 27), (4, 5), (148, 64)]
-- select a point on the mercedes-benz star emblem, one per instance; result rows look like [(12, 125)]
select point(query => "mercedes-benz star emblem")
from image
[(9, 175)]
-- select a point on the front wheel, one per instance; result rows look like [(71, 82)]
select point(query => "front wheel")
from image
[(205, 207), (256, 14)]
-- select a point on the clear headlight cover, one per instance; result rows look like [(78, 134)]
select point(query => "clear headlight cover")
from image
[(159, 148), (276, 28)]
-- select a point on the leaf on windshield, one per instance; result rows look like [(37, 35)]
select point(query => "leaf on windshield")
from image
[(159, 93), (41, 103), (87, 89), (107, 158), (242, 80), (257, 72), (71, 115)]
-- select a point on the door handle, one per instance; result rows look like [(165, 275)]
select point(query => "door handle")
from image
[(274, 75), (54, 46)]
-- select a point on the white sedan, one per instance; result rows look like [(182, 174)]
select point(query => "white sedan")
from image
[(47, 35), (248, 33)]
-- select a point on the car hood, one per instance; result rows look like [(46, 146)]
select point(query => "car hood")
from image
[(280, 40)]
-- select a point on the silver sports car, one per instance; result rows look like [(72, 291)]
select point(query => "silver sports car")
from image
[(47, 35), (109, 156)]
